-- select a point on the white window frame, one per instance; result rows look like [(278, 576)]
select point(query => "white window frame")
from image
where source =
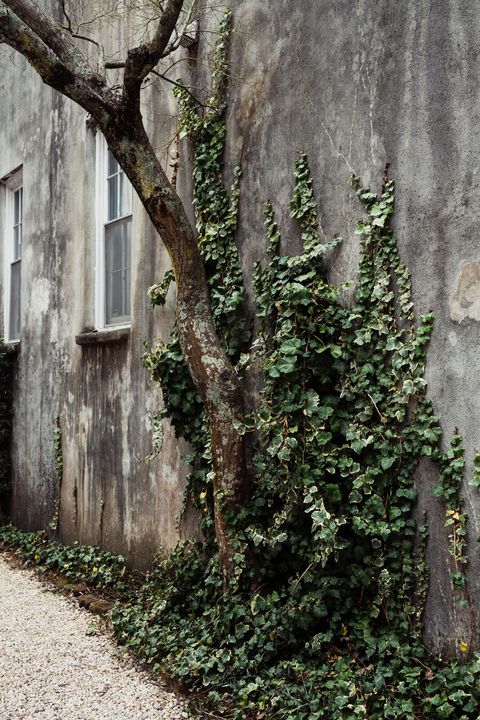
[(101, 215), (13, 183)]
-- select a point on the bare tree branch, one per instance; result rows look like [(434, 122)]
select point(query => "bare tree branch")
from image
[(57, 61), (114, 65), (142, 59), (53, 35), (179, 85), (76, 34)]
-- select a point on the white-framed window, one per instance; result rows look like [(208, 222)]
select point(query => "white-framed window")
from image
[(13, 255), (114, 240)]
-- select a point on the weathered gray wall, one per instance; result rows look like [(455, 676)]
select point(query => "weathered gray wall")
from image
[(101, 394), (355, 84)]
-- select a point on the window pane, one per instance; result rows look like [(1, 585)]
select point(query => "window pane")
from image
[(17, 242), (112, 164), (113, 198), (125, 195), (127, 264), (14, 319), (116, 310), (117, 271), (17, 206)]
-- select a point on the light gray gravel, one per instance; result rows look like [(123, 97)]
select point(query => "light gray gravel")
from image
[(52, 669)]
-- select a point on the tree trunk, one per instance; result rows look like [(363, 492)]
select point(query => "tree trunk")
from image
[(211, 371)]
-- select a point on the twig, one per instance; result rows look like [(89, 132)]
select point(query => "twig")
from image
[(376, 408), (182, 87), (69, 28)]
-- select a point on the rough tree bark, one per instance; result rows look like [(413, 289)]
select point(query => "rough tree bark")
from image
[(50, 50)]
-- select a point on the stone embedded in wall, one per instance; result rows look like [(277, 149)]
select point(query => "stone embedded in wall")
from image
[(465, 299)]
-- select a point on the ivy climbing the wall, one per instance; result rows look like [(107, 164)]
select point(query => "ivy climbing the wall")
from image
[(57, 446), (324, 616)]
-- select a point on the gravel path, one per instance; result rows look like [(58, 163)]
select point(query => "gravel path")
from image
[(50, 669)]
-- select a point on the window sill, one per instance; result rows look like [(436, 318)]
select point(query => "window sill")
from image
[(101, 337), (12, 348)]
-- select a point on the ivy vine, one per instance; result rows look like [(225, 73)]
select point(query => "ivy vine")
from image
[(57, 446), (324, 618)]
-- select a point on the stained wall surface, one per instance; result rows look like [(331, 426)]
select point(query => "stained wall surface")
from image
[(355, 85), (111, 492)]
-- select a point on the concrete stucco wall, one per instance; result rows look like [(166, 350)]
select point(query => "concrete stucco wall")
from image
[(354, 84), (104, 398)]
